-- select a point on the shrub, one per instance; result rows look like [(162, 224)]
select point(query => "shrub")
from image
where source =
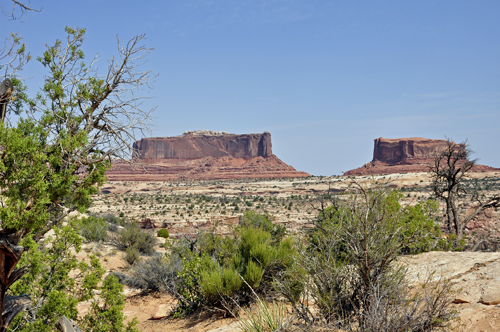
[(108, 316), (221, 271), (133, 236), (157, 273), (110, 218), (163, 233), (132, 255), (94, 229), (348, 267), (258, 220)]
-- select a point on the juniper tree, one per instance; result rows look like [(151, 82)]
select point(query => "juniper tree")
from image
[(55, 156)]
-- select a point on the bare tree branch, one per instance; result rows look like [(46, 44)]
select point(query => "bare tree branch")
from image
[(450, 168), (20, 9)]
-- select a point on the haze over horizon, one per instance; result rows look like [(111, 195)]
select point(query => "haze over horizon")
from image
[(325, 78)]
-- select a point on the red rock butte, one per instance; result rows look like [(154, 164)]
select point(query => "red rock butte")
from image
[(405, 155), (203, 155)]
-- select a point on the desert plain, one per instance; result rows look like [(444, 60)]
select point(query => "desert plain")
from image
[(188, 207)]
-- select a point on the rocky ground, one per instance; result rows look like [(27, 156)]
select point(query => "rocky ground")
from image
[(185, 207)]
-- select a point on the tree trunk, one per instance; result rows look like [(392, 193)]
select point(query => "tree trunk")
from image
[(10, 254)]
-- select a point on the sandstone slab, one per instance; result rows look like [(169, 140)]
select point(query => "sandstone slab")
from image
[(490, 298)]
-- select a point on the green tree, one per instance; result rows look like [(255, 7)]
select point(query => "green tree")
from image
[(55, 157), (349, 267)]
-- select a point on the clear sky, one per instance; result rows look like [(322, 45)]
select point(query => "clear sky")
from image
[(325, 78)]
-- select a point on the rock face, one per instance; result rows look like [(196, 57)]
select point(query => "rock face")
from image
[(396, 151), (203, 155), (193, 145), (404, 155)]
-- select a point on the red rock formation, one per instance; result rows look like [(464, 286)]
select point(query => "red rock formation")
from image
[(404, 155), (196, 145), (203, 155)]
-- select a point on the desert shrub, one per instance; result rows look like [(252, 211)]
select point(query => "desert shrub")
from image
[(223, 272), (94, 229), (133, 236), (110, 218), (264, 221), (163, 233), (265, 317), (348, 267), (156, 273), (417, 228), (132, 255)]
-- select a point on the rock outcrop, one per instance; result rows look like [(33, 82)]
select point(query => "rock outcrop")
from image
[(405, 155), (203, 155), (200, 144)]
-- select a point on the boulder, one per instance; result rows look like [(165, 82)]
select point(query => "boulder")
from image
[(161, 311), (461, 299), (490, 298)]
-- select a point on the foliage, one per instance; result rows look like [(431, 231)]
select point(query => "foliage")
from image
[(259, 220), (54, 158), (132, 236), (108, 316), (132, 255), (220, 271), (109, 218), (265, 317), (348, 266), (156, 273), (56, 280), (163, 233), (94, 229)]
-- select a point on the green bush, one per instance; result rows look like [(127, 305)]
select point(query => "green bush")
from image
[(349, 269), (258, 220), (132, 255), (163, 233), (133, 236), (94, 229), (224, 272)]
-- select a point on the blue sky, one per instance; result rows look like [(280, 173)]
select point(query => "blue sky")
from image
[(325, 78)]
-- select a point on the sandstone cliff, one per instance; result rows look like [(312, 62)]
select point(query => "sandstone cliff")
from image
[(404, 155), (203, 155), (195, 145)]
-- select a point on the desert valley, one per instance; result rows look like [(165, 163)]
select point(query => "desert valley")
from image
[(187, 207), (252, 166)]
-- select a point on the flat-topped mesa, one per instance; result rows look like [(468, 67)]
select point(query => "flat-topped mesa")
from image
[(204, 143), (405, 155), (203, 154), (394, 151)]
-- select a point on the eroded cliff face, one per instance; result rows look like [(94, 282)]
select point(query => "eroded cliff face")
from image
[(405, 155), (396, 150), (203, 155), (193, 145)]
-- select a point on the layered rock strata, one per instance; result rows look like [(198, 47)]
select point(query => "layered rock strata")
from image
[(405, 155), (203, 155)]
